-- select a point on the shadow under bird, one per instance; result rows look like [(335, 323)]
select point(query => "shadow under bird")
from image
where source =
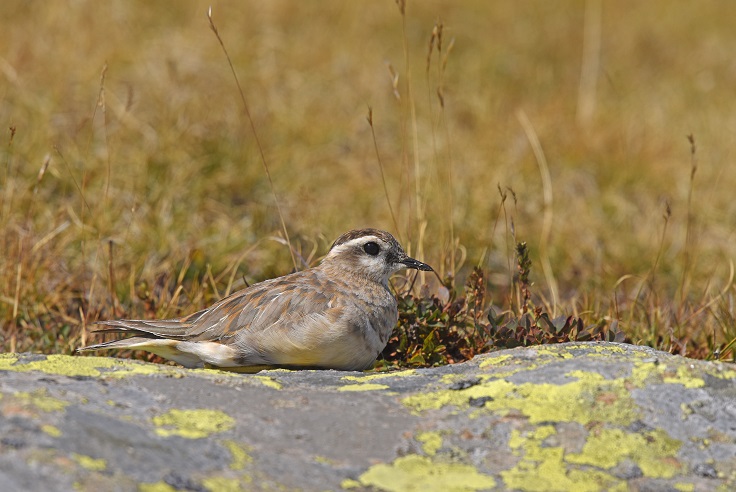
[(337, 315)]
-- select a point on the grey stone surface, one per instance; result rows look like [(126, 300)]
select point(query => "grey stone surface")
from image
[(581, 416)]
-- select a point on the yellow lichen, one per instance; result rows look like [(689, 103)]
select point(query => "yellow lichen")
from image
[(684, 377), (268, 381), (243, 376), (238, 454), (603, 349), (212, 371), (362, 387), (431, 442), (654, 452), (432, 400), (655, 372), (193, 424), (684, 487), (721, 371), (155, 487), (89, 463), (419, 473), (494, 361), (555, 352), (42, 402), (453, 378), (542, 469), (381, 375), (7, 361), (517, 440), (65, 365), (222, 484), (590, 398), (51, 430)]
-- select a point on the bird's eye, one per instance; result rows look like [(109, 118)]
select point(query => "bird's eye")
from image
[(371, 248)]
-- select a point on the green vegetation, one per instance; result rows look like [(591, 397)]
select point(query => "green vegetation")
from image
[(565, 166)]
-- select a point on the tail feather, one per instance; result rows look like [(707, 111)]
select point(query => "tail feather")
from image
[(168, 349), (168, 338), (131, 343), (168, 328)]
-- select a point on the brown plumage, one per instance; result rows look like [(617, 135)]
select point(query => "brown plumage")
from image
[(336, 315)]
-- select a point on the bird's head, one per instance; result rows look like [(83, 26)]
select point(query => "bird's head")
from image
[(370, 253)]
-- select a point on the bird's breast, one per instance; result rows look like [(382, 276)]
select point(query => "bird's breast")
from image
[(371, 315)]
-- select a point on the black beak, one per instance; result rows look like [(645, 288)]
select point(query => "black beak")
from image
[(417, 265)]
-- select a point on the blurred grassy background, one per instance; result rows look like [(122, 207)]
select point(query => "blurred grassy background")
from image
[(153, 186)]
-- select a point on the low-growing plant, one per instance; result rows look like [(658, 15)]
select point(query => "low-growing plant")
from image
[(433, 331)]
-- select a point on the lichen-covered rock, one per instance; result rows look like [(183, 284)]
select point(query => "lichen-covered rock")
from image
[(569, 417)]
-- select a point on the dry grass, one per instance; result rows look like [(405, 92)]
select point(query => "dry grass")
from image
[(132, 184)]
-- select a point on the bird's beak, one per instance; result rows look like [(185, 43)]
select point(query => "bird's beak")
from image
[(418, 265)]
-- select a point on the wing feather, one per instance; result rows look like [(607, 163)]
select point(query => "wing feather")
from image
[(253, 308), (262, 305)]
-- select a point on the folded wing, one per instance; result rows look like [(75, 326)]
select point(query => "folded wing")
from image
[(284, 321)]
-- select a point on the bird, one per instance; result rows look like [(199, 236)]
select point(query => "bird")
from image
[(336, 315)]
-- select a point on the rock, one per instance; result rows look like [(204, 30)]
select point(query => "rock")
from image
[(578, 416)]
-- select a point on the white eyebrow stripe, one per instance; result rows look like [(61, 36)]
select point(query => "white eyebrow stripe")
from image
[(357, 240)]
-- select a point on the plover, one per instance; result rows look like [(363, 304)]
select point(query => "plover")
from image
[(337, 315)]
